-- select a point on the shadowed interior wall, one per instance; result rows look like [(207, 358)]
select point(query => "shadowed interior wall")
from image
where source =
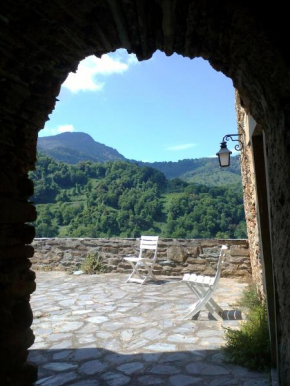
[(41, 42)]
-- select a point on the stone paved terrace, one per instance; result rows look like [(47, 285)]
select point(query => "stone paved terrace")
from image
[(96, 330)]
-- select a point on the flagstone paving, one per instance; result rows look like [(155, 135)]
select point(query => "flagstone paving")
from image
[(96, 330)]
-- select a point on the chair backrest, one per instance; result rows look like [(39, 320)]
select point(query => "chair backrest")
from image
[(219, 264), (149, 242)]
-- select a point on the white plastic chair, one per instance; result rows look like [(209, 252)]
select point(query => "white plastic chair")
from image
[(146, 243), (203, 287)]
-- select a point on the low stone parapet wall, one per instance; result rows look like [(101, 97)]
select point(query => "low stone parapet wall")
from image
[(175, 256)]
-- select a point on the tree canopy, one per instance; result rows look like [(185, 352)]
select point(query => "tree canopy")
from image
[(123, 199)]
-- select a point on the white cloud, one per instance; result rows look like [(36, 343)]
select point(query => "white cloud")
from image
[(65, 128), (182, 147), (86, 76), (59, 129), (132, 59)]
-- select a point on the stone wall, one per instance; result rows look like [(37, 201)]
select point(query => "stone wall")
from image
[(250, 194), (175, 256)]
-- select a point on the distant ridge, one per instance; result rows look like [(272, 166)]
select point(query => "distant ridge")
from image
[(205, 171), (77, 147)]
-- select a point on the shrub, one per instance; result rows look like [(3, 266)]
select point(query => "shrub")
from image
[(250, 345), (93, 263), (249, 299)]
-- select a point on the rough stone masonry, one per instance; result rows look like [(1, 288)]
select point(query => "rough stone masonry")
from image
[(175, 256)]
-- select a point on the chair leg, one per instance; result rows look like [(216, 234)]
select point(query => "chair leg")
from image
[(217, 309), (198, 293), (213, 311), (134, 271), (194, 309), (204, 296), (149, 273), (148, 277), (211, 305)]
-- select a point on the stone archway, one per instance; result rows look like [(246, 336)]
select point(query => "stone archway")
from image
[(43, 42)]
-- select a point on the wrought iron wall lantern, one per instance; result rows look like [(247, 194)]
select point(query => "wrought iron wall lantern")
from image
[(224, 154)]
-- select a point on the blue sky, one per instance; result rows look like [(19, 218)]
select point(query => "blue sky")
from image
[(162, 109)]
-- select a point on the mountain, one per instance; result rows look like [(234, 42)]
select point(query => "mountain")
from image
[(205, 171), (76, 147)]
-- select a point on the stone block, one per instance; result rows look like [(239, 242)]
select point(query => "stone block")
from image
[(109, 249), (167, 262), (176, 253), (212, 260), (209, 271), (194, 268), (212, 251), (113, 261), (236, 260), (239, 251), (196, 261), (192, 252), (244, 266)]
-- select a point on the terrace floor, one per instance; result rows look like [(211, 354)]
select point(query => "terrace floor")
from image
[(96, 330)]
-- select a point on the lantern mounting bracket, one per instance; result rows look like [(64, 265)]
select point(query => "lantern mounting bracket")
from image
[(228, 137)]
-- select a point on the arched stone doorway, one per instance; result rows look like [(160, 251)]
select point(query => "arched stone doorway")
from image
[(42, 43)]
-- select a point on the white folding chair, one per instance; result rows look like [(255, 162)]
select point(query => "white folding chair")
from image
[(203, 287), (143, 262)]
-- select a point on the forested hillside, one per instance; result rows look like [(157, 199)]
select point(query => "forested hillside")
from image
[(75, 147), (200, 170), (123, 199)]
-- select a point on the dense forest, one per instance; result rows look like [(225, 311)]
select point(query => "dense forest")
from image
[(124, 199)]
